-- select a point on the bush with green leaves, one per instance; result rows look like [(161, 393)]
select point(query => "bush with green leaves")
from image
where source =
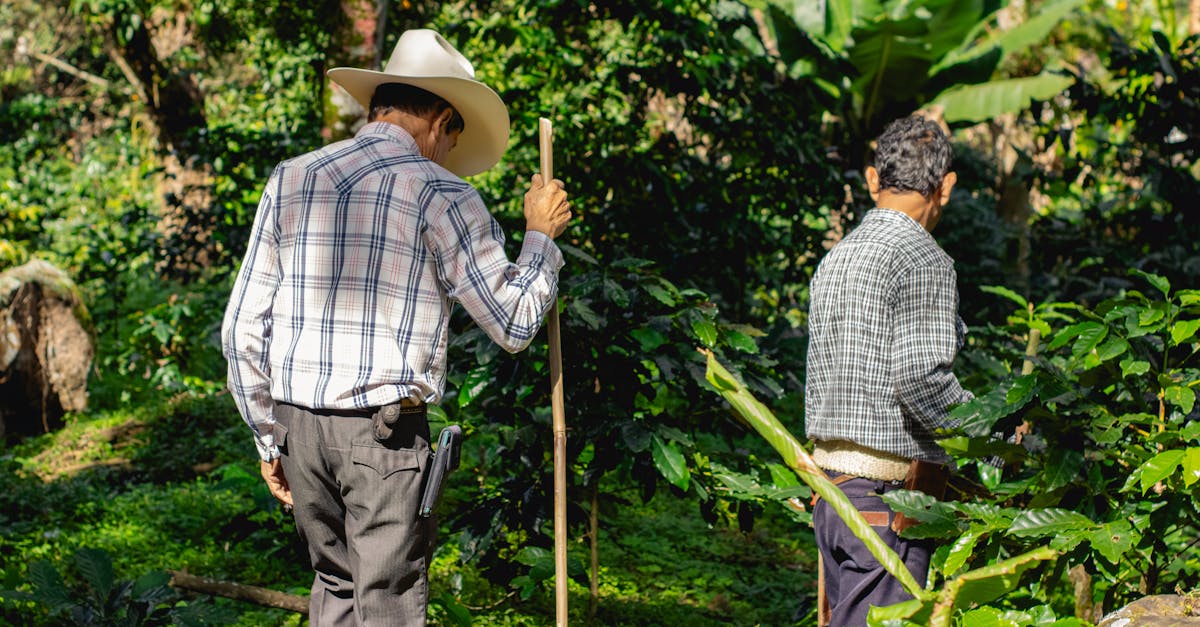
[(95, 597)]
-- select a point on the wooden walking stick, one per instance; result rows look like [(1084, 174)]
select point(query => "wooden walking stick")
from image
[(558, 411)]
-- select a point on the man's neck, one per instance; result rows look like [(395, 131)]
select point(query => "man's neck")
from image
[(924, 210)]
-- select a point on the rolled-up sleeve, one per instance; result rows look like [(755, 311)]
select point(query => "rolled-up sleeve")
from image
[(507, 300), (246, 329), (926, 342)]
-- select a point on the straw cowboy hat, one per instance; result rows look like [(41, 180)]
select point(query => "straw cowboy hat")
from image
[(424, 59)]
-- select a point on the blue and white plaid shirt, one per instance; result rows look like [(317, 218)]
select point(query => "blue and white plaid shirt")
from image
[(356, 254), (883, 334)]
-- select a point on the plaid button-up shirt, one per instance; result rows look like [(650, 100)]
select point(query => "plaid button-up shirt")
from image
[(356, 254), (883, 333)]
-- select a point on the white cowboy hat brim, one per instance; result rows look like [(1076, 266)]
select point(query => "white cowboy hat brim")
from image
[(484, 137)]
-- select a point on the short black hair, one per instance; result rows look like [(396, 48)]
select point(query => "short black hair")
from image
[(912, 155), (413, 100)]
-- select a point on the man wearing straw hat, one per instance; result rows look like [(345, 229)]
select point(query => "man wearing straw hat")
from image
[(336, 330)]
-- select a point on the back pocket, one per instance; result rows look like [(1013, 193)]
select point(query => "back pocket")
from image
[(385, 461)]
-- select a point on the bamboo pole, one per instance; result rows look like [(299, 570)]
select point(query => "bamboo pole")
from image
[(557, 409)]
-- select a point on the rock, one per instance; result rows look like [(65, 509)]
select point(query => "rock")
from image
[(1161, 610), (46, 348)]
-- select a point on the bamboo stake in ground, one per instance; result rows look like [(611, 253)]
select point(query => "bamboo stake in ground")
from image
[(558, 411)]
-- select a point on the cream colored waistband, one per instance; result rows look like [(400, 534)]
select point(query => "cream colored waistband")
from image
[(851, 459)]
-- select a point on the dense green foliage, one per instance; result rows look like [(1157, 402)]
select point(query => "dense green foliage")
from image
[(713, 151)]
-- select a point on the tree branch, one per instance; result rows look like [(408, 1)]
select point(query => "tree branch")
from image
[(241, 592)]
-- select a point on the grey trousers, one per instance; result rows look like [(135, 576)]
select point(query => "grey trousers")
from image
[(356, 506), (854, 579)]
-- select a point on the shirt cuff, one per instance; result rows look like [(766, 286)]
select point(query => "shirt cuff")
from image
[(266, 453), (541, 245)]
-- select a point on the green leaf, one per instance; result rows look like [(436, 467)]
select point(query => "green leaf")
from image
[(1111, 348), (648, 339), (473, 385), (1061, 468), (705, 330), (1183, 331), (782, 476), (1191, 466), (1023, 389), (580, 310), (616, 294), (1090, 336), (577, 253), (976, 103), (986, 617), (1160, 283), (1068, 334), (1114, 539), (1148, 317), (96, 567), (1131, 366), (1019, 38), (1182, 396), (1158, 468), (660, 294), (1188, 298), (999, 290), (1048, 522), (671, 463), (986, 584), (960, 552), (742, 342), (48, 586), (740, 485)]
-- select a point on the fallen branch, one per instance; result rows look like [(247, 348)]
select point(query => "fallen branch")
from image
[(241, 592)]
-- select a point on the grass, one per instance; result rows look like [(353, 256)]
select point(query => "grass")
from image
[(174, 486)]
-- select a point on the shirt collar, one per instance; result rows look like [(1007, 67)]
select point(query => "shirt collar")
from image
[(389, 131), (884, 213)]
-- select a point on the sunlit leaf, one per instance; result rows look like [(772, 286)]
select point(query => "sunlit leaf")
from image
[(1006, 293), (972, 103), (1184, 331), (1114, 539), (782, 476), (1191, 466), (705, 330), (1183, 396), (1160, 283), (473, 385), (742, 342), (960, 552), (1048, 522), (1158, 468), (671, 463), (1131, 366)]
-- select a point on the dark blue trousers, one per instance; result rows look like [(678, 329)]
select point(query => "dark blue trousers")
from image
[(854, 579)]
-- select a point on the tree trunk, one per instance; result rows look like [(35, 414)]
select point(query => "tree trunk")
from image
[(176, 107), (45, 349), (1014, 206), (594, 542)]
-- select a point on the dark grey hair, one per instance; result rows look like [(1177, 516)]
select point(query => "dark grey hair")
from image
[(912, 155), (411, 99)]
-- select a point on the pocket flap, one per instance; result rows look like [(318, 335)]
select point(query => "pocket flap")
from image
[(279, 434), (385, 461)]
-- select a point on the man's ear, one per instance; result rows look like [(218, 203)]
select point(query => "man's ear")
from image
[(873, 183), (442, 121), (947, 185)]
